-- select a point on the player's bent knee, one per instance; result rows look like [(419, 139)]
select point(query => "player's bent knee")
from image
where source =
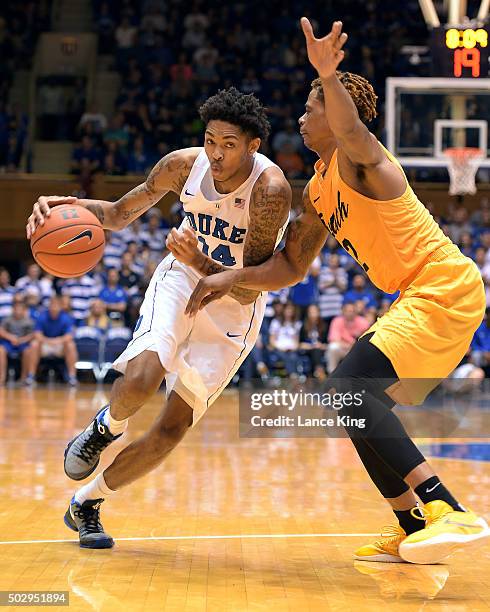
[(169, 434), (144, 375)]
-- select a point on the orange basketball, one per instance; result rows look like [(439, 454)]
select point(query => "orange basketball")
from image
[(70, 243)]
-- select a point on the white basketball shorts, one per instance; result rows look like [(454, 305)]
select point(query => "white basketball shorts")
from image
[(199, 354)]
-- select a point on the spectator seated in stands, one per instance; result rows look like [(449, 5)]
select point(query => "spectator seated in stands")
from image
[(55, 338), (82, 290), (17, 340), (117, 133), (7, 292), (344, 331), (114, 297), (97, 317), (313, 340), (305, 292), (139, 160), (33, 283), (360, 292), (85, 157), (94, 117), (284, 339), (154, 235), (332, 283)]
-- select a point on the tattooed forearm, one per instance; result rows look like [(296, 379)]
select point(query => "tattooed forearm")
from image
[(305, 236), (169, 174), (206, 266), (97, 210), (269, 210)]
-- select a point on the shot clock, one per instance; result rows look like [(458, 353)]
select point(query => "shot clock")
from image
[(460, 52)]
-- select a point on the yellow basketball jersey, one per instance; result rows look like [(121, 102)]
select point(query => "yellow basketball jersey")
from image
[(390, 239)]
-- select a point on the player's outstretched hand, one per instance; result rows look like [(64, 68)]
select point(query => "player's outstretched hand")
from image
[(325, 54), (183, 245), (42, 209), (208, 289)]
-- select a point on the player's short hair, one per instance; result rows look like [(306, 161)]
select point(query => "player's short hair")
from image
[(361, 91), (242, 110)]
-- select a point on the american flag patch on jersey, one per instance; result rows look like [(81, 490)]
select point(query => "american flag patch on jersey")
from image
[(239, 203)]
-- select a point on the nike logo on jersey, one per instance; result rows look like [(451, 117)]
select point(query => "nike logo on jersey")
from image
[(187, 193), (316, 199), (434, 487), (233, 335), (84, 234)]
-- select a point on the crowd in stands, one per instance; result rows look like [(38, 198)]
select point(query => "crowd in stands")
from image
[(173, 55), (21, 21), (307, 329)]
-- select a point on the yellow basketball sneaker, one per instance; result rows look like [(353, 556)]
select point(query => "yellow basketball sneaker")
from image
[(385, 549), (446, 530)]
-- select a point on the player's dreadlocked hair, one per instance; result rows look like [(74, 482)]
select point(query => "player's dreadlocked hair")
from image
[(361, 91), (243, 110)]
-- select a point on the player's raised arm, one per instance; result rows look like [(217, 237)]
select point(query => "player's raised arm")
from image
[(305, 237), (169, 174), (325, 55)]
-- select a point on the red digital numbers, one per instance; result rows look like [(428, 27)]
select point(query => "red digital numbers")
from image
[(467, 58)]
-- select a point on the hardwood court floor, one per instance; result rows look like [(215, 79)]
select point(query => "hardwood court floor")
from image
[(224, 524)]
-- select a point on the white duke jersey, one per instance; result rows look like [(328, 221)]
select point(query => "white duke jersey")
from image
[(221, 220)]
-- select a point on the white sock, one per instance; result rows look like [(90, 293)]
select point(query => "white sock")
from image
[(115, 427), (95, 489)]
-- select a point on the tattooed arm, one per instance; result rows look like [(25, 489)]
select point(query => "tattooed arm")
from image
[(169, 174), (270, 204), (304, 240)]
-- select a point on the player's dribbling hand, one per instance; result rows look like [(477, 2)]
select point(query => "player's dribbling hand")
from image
[(183, 245), (42, 209), (208, 289), (325, 54)]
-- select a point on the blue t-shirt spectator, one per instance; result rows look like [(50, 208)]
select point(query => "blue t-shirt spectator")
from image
[(54, 327), (113, 295), (352, 296), (305, 292)]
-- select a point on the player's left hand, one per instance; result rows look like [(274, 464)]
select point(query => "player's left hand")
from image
[(183, 245), (208, 289), (325, 54)]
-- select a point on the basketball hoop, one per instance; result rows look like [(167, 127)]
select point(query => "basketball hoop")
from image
[(463, 162)]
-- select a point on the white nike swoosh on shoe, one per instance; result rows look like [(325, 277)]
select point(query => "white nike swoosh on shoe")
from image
[(473, 526), (430, 490)]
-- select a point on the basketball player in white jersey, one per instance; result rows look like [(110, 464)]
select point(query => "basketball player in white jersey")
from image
[(237, 205)]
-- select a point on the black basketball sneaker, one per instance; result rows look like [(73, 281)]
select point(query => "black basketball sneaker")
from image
[(85, 518), (82, 454)]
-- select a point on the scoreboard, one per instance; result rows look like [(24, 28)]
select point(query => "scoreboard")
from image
[(460, 53)]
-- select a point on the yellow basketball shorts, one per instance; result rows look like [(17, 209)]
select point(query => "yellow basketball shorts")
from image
[(428, 329)]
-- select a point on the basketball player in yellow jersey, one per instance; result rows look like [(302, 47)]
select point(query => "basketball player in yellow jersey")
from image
[(361, 196)]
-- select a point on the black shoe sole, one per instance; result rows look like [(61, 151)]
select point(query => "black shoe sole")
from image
[(93, 468), (70, 523)]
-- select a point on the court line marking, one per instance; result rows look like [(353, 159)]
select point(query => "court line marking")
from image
[(211, 537)]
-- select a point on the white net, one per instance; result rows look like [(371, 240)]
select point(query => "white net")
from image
[(463, 163)]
